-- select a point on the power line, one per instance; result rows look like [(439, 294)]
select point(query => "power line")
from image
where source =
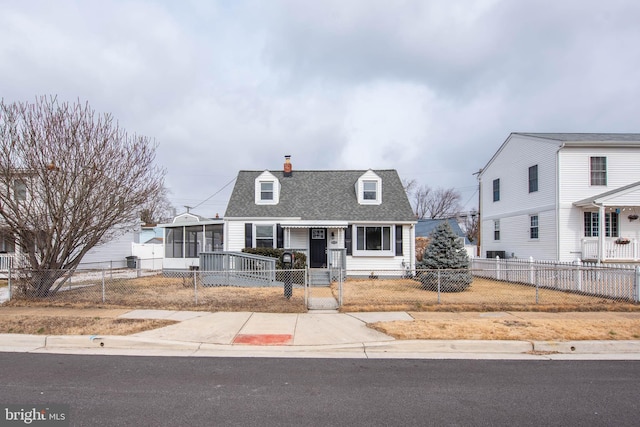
[(211, 196)]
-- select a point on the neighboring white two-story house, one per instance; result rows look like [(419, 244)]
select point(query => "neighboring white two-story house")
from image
[(364, 216), (562, 197)]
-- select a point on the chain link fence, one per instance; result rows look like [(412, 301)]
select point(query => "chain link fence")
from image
[(540, 288), (153, 289), (529, 287)]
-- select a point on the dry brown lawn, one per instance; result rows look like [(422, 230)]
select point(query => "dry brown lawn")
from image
[(63, 325), (482, 295), (158, 292), (495, 329)]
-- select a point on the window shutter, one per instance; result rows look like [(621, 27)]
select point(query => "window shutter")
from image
[(399, 240), (347, 239), (279, 236), (248, 235)]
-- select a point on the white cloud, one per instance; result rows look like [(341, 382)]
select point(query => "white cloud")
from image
[(429, 88)]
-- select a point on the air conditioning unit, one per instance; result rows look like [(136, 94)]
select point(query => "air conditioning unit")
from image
[(493, 254)]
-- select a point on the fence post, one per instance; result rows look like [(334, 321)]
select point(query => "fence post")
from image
[(438, 286), (340, 283), (195, 285), (498, 275), (306, 287), (537, 286), (103, 289), (636, 285), (577, 262), (532, 278)]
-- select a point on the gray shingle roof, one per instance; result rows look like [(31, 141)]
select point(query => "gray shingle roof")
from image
[(586, 137), (321, 195)]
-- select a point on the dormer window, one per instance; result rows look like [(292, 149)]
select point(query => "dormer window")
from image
[(369, 189), (267, 189)]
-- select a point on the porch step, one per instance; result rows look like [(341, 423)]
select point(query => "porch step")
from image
[(325, 303), (319, 277)]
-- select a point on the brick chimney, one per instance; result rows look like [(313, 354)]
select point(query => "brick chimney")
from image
[(287, 165)]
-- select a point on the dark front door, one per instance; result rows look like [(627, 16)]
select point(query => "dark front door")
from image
[(317, 247)]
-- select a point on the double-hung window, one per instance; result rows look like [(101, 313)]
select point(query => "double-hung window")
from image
[(496, 190), (370, 190), (20, 190), (264, 236), (598, 170), (533, 226), (266, 190), (496, 229)]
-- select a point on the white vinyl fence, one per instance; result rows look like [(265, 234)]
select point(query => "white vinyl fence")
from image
[(620, 282)]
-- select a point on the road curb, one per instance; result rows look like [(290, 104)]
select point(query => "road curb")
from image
[(587, 347)]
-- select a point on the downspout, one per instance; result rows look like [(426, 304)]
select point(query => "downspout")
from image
[(557, 212)]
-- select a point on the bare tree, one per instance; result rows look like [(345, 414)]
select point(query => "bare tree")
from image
[(420, 201), (470, 223), (444, 203), (409, 185), (71, 179), (158, 209), (436, 204)]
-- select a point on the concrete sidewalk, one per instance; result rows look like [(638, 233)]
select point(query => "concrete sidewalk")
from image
[(314, 334)]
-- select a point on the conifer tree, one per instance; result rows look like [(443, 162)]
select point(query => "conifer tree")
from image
[(445, 253)]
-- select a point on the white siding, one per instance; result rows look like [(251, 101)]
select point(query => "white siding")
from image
[(115, 250), (511, 165), (575, 185), (234, 236), (298, 239), (575, 182)]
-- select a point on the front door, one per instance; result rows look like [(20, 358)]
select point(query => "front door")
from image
[(318, 247)]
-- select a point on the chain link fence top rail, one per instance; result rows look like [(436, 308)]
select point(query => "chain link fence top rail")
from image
[(566, 288), (168, 289)]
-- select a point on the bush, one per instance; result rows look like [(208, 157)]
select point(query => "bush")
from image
[(300, 259)]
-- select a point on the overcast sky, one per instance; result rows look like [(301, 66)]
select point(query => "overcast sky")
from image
[(430, 88)]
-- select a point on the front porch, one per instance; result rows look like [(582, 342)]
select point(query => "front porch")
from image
[(613, 250)]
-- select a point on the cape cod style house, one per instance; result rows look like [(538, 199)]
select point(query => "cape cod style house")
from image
[(360, 220), (358, 217), (562, 197)]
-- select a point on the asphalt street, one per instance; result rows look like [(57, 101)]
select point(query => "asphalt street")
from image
[(177, 391)]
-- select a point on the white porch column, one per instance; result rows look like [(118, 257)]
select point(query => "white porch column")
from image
[(601, 234)]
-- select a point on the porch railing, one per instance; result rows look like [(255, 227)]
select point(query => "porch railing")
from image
[(236, 268), (612, 251), (6, 262)]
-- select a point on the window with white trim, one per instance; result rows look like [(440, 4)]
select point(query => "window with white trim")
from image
[(374, 239), (20, 190), (496, 229), (264, 236), (533, 226), (496, 190), (592, 224), (598, 170), (370, 190), (266, 190)]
